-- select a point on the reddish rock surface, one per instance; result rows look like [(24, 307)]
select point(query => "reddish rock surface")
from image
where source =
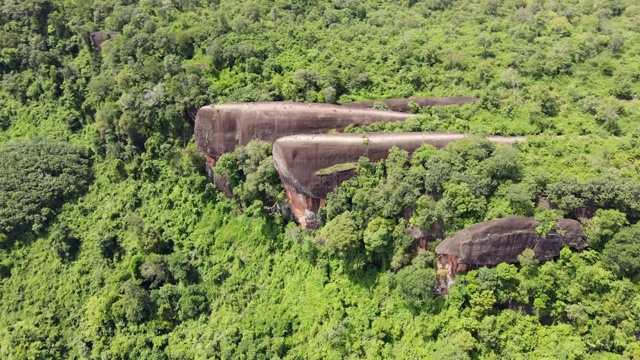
[(304, 208), (403, 104), (298, 158), (220, 128), (502, 240)]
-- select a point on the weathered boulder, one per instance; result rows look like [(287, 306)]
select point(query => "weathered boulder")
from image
[(311, 166), (502, 240), (403, 104), (220, 128)]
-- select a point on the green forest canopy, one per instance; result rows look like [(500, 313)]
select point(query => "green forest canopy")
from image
[(115, 245)]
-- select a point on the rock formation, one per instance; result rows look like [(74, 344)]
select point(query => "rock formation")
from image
[(97, 38), (220, 128), (502, 240), (403, 104), (311, 166)]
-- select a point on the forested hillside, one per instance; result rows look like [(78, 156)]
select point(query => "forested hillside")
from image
[(115, 245)]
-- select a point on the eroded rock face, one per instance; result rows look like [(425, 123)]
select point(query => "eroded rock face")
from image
[(403, 104), (311, 166), (220, 128), (303, 208), (502, 240)]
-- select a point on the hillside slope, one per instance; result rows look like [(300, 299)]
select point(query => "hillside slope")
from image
[(127, 251)]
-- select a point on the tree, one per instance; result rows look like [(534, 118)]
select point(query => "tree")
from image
[(560, 25), (622, 252), (622, 87), (251, 174), (503, 164), (155, 272), (36, 178), (415, 286), (603, 226), (377, 236), (511, 79), (468, 207), (548, 99), (547, 219), (608, 114), (422, 155), (329, 95), (151, 241), (520, 199), (396, 165), (484, 40), (482, 302), (192, 303), (134, 304), (342, 235), (64, 241), (424, 213)]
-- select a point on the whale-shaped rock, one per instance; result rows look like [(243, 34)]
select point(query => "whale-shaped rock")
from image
[(220, 128), (311, 166)]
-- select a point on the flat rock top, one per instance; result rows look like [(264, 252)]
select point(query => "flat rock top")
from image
[(377, 138), (403, 104)]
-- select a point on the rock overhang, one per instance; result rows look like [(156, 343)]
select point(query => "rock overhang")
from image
[(308, 159)]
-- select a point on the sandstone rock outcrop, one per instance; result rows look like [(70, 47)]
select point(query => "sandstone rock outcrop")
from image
[(502, 240), (403, 104), (311, 166), (220, 128)]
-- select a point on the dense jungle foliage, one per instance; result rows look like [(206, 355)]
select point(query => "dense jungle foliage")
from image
[(114, 245)]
